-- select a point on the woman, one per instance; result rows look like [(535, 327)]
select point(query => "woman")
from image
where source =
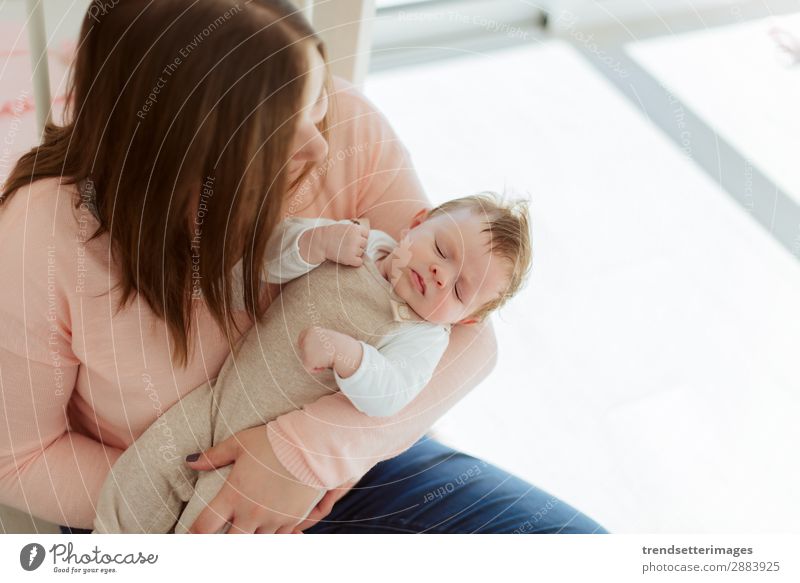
[(194, 128)]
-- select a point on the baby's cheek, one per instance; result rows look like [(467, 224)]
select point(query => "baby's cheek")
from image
[(442, 314)]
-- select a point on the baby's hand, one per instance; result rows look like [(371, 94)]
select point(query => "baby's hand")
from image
[(316, 349), (346, 243)]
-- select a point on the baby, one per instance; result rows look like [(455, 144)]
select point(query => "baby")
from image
[(360, 313)]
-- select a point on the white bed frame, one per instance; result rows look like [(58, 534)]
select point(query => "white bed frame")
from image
[(344, 25)]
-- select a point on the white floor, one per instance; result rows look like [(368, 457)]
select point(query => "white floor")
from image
[(753, 97), (648, 373)]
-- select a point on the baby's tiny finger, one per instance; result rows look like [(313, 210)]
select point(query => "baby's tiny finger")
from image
[(301, 339)]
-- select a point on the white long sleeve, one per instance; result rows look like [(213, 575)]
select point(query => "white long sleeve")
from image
[(283, 261), (394, 372)]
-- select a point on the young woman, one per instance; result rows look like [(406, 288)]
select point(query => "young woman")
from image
[(193, 129)]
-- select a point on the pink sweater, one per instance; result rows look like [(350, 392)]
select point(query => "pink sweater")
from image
[(80, 383)]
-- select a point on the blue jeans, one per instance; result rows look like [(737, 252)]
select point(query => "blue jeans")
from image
[(433, 488)]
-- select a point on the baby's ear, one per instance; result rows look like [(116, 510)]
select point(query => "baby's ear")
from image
[(419, 218), (468, 322)]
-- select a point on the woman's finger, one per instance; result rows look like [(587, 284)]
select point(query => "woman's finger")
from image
[(217, 456), (243, 524), (321, 510), (326, 504), (214, 516), (269, 525), (301, 338), (313, 518)]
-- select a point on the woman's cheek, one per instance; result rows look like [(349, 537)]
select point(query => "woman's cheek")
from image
[(311, 146), (322, 146)]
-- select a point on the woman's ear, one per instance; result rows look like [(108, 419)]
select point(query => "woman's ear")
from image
[(468, 322)]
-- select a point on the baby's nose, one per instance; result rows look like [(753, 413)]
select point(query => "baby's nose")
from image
[(437, 278)]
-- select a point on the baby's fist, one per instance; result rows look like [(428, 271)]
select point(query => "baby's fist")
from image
[(346, 243), (316, 349)]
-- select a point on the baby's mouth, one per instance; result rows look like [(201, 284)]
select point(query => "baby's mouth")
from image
[(419, 283)]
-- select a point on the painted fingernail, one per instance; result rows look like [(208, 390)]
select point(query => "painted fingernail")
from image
[(192, 457)]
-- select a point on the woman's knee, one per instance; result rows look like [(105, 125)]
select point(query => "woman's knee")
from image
[(449, 491)]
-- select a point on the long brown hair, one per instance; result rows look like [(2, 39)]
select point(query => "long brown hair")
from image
[(179, 122)]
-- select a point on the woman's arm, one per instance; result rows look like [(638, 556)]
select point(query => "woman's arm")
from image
[(46, 470)]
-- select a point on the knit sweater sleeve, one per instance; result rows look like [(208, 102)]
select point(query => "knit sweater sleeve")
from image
[(45, 469)]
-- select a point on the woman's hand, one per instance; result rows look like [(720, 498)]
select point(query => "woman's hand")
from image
[(324, 507), (260, 495)]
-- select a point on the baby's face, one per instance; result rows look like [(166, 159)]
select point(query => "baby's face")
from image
[(443, 267)]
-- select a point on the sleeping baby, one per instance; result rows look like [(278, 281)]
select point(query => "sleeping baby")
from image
[(359, 313)]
